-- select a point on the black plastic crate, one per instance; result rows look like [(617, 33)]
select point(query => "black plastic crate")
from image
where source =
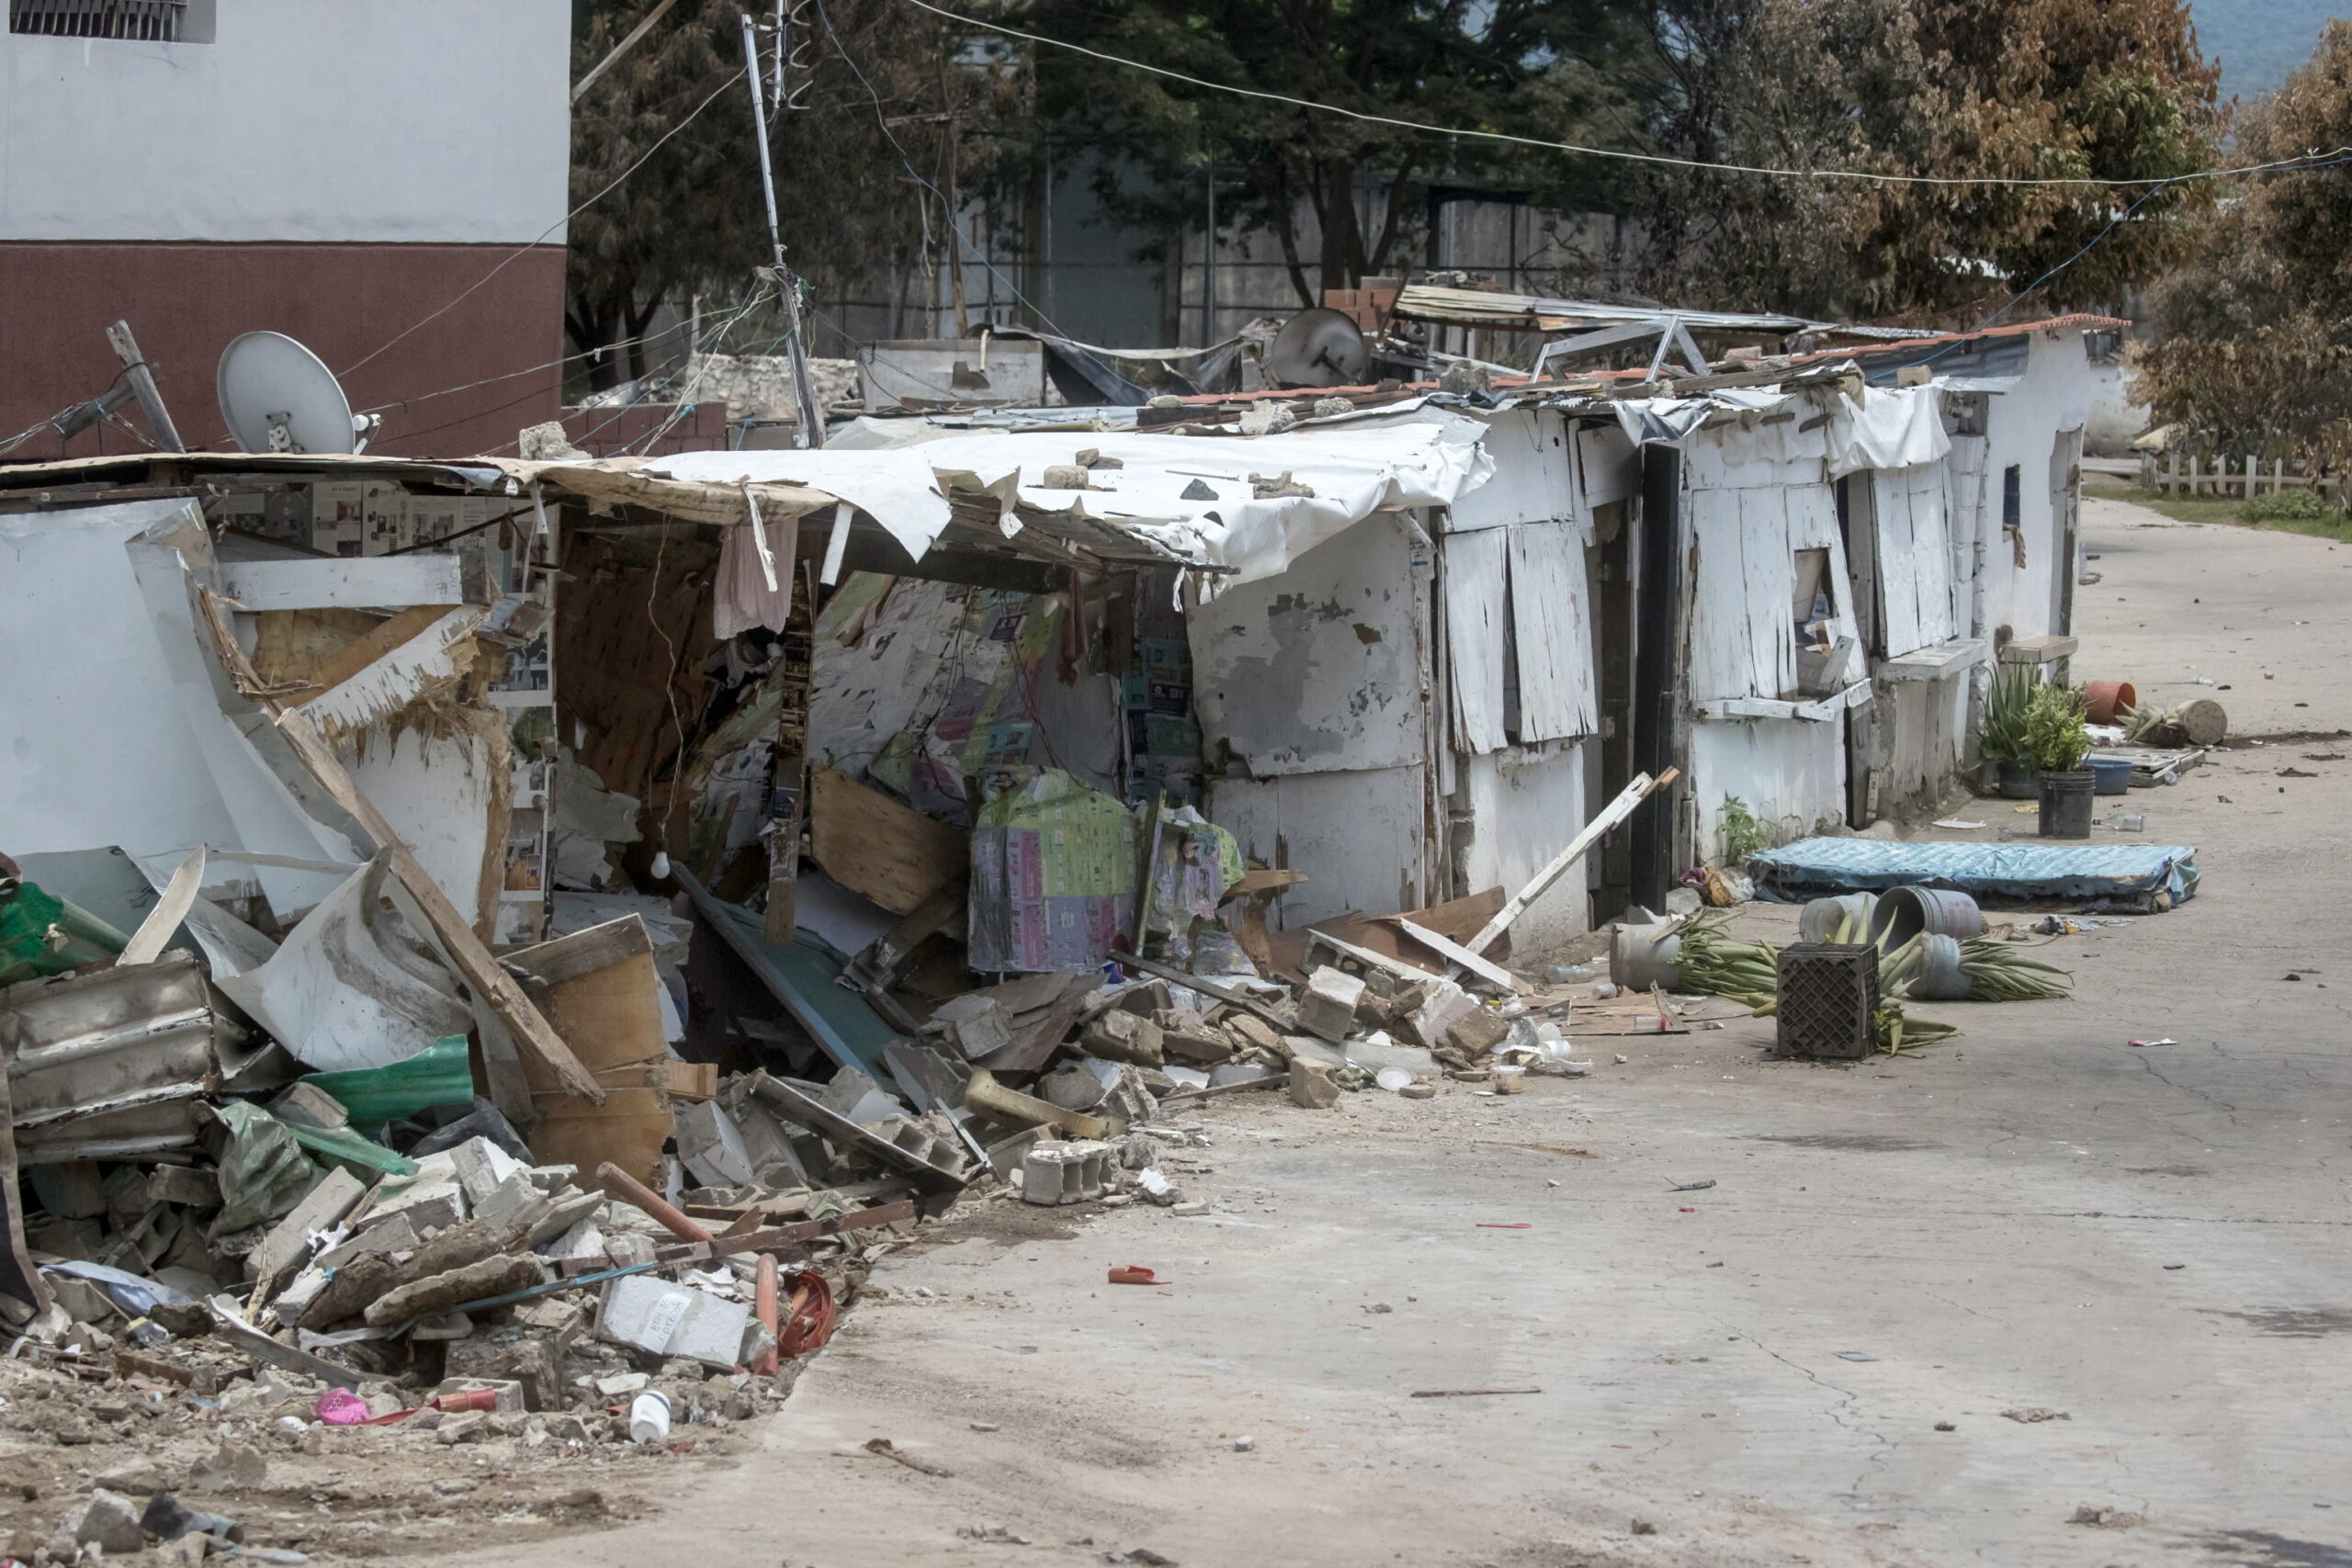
[(1828, 993)]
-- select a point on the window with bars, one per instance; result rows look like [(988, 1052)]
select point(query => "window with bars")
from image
[(146, 21)]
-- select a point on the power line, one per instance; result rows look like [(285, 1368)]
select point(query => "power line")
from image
[(729, 80), (2284, 165)]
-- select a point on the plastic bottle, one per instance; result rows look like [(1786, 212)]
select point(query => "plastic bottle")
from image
[(648, 1418)]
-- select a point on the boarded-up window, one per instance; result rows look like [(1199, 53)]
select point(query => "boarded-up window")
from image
[(1478, 642), (1914, 558), (1552, 632)]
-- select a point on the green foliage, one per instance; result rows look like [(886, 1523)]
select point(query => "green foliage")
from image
[(1743, 834), (2057, 733), (2253, 345), (2291, 506), (2004, 710)]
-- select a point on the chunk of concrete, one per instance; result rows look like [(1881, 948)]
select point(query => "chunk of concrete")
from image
[(229, 1465), (1186, 1036), (1119, 1035), (109, 1521), (1478, 1031), (1313, 1086), (311, 1106), (437, 1293), (1442, 1001), (711, 1145), (673, 1320), (287, 1245), (1328, 1006)]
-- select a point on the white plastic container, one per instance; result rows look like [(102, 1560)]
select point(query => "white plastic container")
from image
[(648, 1418)]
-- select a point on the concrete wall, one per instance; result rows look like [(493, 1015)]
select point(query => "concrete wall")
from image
[(392, 122), (339, 173)]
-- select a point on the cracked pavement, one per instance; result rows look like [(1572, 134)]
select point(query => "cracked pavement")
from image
[(1994, 1225)]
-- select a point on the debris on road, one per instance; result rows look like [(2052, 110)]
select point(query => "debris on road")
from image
[(2032, 1415)]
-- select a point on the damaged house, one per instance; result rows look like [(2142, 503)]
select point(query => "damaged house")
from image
[(677, 864)]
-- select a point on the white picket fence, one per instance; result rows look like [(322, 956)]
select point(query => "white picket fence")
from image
[(2187, 478)]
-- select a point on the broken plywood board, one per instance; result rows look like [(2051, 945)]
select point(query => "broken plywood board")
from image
[(353, 582), (1453, 920), (418, 666), (872, 844), (599, 989)]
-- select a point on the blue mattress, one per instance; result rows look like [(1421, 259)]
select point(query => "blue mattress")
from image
[(2144, 877)]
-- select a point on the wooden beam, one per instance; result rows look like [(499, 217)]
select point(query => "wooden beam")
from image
[(1615, 812), (480, 971), (1485, 969)]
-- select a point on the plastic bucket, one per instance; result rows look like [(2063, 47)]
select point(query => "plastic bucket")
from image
[(2066, 804), (2017, 780), (2110, 775), (1939, 978), (1904, 913), (1820, 918), (2110, 700), (1642, 953)]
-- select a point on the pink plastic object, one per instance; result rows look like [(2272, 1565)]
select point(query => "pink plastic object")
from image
[(341, 1407)]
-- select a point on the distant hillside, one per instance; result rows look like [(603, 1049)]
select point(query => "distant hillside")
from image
[(2259, 41)]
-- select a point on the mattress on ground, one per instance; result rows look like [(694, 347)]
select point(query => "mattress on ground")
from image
[(2148, 878)]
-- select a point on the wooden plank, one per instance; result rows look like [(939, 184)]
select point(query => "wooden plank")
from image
[(354, 583), (627, 1130), (1552, 632), (1254, 883), (874, 846), (497, 989), (584, 953), (1475, 647), (363, 650), (1494, 973)]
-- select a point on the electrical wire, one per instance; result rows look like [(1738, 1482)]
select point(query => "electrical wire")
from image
[(2284, 165), (730, 79), (881, 119)]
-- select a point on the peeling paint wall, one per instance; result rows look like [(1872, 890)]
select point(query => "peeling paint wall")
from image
[(1791, 775), (1357, 835), (1315, 670), (441, 793), (2021, 427)]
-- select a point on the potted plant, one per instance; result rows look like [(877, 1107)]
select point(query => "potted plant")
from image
[(2057, 739), (2004, 769)]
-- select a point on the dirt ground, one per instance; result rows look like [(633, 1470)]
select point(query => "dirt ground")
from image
[(1829, 1357)]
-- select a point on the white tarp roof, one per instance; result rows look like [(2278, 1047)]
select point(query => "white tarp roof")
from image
[(1196, 495), (1890, 427)]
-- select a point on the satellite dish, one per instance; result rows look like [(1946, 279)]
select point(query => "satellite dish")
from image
[(277, 395), (1318, 348)]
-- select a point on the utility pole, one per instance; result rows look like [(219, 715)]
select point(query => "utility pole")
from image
[(1208, 270), (142, 385), (809, 429)]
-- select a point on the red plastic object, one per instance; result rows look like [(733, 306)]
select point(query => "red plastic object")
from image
[(1134, 1274), (2110, 700), (811, 1316)]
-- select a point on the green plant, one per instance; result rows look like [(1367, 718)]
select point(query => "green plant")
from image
[(2151, 725), (2004, 710), (2291, 506), (1743, 834), (1713, 962), (2057, 732)]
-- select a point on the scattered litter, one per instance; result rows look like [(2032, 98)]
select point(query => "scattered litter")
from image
[(1134, 1274), (2032, 1415), (992, 1535), (889, 1450), (1853, 1355), (2100, 1517), (1505, 1225), (2166, 1041), (1693, 1186), (1957, 825), (1467, 1392), (1244, 1445)]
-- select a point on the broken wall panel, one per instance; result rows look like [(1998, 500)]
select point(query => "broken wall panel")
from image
[(123, 742), (1534, 477), (1358, 836), (1317, 669)]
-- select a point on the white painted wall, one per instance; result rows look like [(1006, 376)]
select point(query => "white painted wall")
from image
[(437, 791), (2022, 426), (1791, 775), (383, 121), (1525, 806), (1357, 835)]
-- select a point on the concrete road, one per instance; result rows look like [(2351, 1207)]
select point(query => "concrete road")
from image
[(1834, 1356)]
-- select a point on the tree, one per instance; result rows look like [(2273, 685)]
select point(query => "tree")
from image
[(2254, 338), (874, 91), (2111, 90), (1313, 179)]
